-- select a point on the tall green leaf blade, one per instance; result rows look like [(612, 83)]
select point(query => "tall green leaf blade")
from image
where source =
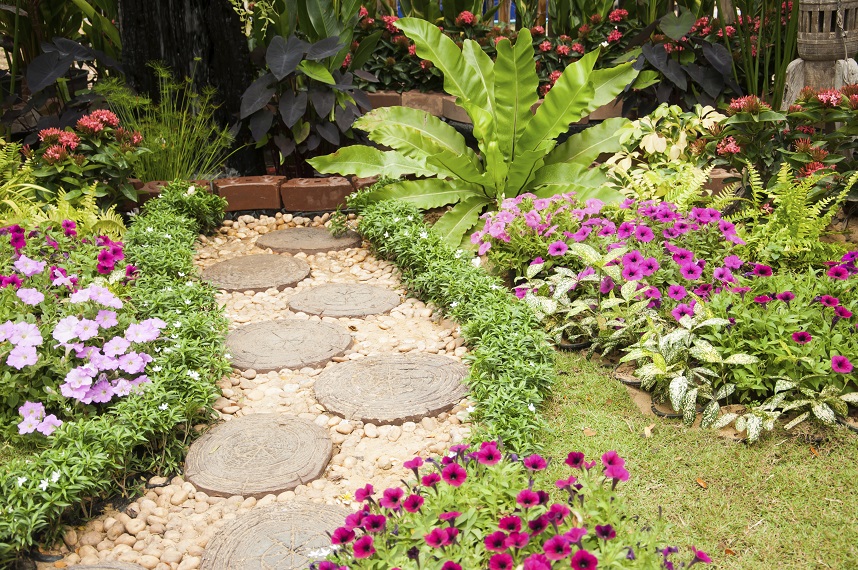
[(454, 225), (610, 82), (425, 194), (459, 166), (319, 17), (522, 169), (566, 173), (483, 69), (515, 90), (366, 161), (432, 44), (563, 105), (584, 147)]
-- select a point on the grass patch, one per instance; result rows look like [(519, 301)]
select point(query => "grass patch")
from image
[(776, 504)]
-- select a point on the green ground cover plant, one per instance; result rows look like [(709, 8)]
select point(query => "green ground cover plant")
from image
[(101, 449), (511, 364)]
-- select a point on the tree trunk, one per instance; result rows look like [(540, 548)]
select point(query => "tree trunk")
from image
[(199, 38)]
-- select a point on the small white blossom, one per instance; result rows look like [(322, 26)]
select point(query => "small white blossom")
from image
[(190, 284), (55, 476), (180, 273), (187, 301), (424, 234), (386, 234), (156, 369), (531, 407), (470, 409), (190, 191), (168, 236), (150, 229), (174, 336), (177, 324), (228, 356), (453, 304), (458, 253), (163, 406), (475, 262), (21, 481), (43, 485), (194, 374)]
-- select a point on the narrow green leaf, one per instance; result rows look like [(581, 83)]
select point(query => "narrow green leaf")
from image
[(454, 225), (584, 147), (425, 194), (515, 90)]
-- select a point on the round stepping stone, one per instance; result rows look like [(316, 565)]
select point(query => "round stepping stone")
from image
[(391, 389), (257, 272), (257, 455), (108, 566), (308, 240), (275, 345), (284, 536), (344, 300)]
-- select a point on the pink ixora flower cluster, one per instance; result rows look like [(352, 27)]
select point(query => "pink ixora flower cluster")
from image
[(530, 532), (95, 122), (465, 19)]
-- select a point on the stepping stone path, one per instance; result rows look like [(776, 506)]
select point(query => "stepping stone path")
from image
[(391, 389), (274, 419), (307, 240), (286, 344), (257, 272), (109, 566), (345, 300), (257, 455), (281, 536)]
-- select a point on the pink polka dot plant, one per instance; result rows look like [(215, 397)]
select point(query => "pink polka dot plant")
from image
[(479, 508)]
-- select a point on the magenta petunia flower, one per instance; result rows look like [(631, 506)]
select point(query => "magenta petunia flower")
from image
[(436, 538), (535, 462), (632, 273), (676, 292), (733, 262), (450, 565), (625, 230), (454, 474), (763, 299), (690, 271), (415, 463), (489, 454), (761, 270), (342, 535), (557, 548), (606, 286), (838, 272), (682, 310), (558, 248), (412, 503), (363, 493), (566, 483), (575, 460), (611, 458), (583, 560), (649, 266), (786, 296), (517, 540), (501, 562), (510, 524), (496, 541), (842, 312), (391, 498), (575, 534), (700, 556), (527, 498), (633, 257), (644, 234), (802, 337), (538, 525), (682, 256), (363, 547), (449, 516), (841, 364), (605, 532), (829, 301), (536, 562)]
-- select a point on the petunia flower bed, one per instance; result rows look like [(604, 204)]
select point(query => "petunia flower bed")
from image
[(479, 508), (69, 344)]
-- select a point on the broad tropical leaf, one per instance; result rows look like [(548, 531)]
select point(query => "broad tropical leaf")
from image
[(584, 147), (454, 225), (610, 82), (366, 161), (425, 194), (516, 83)]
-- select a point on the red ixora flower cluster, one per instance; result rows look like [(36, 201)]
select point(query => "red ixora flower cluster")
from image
[(532, 535), (748, 104), (618, 15), (95, 122), (465, 19)]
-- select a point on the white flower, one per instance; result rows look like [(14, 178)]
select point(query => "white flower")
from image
[(177, 324), (475, 262), (194, 374), (168, 236), (190, 191), (531, 407), (190, 284), (228, 356), (470, 409), (156, 369), (43, 485), (168, 288), (187, 301), (150, 229), (180, 273), (386, 234), (163, 406), (458, 253), (174, 336), (453, 304), (21, 481), (424, 234), (55, 476)]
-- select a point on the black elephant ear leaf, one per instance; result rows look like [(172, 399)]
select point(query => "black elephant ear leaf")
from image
[(658, 58), (323, 101), (324, 48), (46, 69), (344, 117), (292, 107), (284, 56), (70, 47), (285, 145), (709, 79), (260, 123), (329, 132), (257, 95), (366, 75)]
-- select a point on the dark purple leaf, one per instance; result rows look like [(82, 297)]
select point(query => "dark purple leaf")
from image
[(292, 107), (344, 117), (329, 132), (324, 48), (323, 101), (46, 69), (257, 95), (284, 145), (362, 100), (313, 142), (260, 122), (284, 56), (709, 79), (366, 75)]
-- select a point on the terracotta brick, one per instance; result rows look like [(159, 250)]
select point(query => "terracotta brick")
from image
[(453, 111), (432, 103), (315, 194), (250, 192), (384, 99), (717, 177), (609, 111), (361, 183)]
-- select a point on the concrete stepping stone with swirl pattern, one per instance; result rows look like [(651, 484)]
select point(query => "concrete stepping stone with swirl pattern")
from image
[(275, 345), (257, 455), (286, 536), (392, 388), (344, 300), (257, 272), (308, 240)]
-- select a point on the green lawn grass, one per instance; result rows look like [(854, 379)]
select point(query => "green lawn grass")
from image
[(776, 504)]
